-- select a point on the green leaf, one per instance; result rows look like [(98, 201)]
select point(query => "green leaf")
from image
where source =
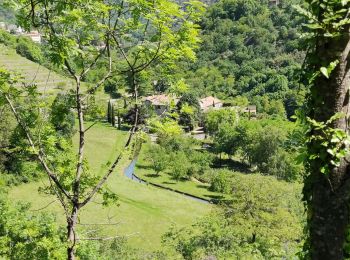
[(330, 151), (344, 2), (324, 72)]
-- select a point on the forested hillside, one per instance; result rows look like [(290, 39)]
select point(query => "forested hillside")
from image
[(250, 49), (6, 13)]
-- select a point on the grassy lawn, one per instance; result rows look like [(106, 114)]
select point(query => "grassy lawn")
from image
[(144, 211), (145, 171)]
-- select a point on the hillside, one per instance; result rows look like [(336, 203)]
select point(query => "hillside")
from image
[(32, 72), (46, 80), (250, 51), (6, 13)]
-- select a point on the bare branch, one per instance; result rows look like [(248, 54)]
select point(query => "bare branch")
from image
[(109, 72), (79, 167), (100, 224), (94, 123), (85, 71), (45, 206), (115, 163), (108, 238), (122, 51)]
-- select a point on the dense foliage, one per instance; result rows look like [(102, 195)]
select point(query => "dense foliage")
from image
[(179, 157), (6, 13), (263, 221), (24, 46), (28, 235), (251, 49)]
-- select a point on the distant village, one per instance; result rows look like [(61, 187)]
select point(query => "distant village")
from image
[(161, 104), (35, 36)]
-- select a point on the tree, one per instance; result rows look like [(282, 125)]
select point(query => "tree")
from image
[(28, 49), (249, 48), (25, 235), (71, 28), (327, 184), (180, 166), (112, 115), (263, 221), (7, 125), (109, 111), (220, 181), (62, 116), (159, 158), (214, 118), (225, 140)]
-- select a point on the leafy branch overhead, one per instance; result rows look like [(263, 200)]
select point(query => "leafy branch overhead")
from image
[(125, 38), (334, 19), (328, 144)]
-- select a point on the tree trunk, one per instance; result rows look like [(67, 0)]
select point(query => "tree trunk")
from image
[(329, 194), (113, 115), (119, 120), (71, 235), (109, 119)]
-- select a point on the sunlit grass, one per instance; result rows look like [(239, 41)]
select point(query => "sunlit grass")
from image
[(144, 211)]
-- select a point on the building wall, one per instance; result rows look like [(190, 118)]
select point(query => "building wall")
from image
[(160, 109)]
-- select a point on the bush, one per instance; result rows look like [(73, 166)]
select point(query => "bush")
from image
[(215, 118), (221, 181), (201, 162), (159, 158), (283, 165), (28, 49), (264, 220), (180, 166), (174, 143), (62, 117), (7, 39), (61, 85), (24, 235)]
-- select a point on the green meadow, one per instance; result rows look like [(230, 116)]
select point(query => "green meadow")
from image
[(143, 213)]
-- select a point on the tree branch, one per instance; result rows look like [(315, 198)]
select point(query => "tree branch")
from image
[(107, 238), (39, 154)]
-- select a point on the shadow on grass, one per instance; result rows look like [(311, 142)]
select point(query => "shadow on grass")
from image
[(168, 182), (202, 186), (215, 197), (232, 165), (152, 175), (123, 127), (144, 166)]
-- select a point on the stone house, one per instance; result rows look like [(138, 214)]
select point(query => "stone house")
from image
[(210, 102)]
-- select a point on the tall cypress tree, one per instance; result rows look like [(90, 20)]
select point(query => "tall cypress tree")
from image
[(109, 117), (112, 115)]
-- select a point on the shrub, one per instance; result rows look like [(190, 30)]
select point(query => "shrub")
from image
[(24, 235), (62, 117), (180, 166), (61, 85), (264, 220), (159, 158), (28, 49), (7, 39), (201, 162), (220, 181), (215, 118)]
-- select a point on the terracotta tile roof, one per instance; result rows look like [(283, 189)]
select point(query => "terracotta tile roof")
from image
[(157, 100), (209, 102)]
